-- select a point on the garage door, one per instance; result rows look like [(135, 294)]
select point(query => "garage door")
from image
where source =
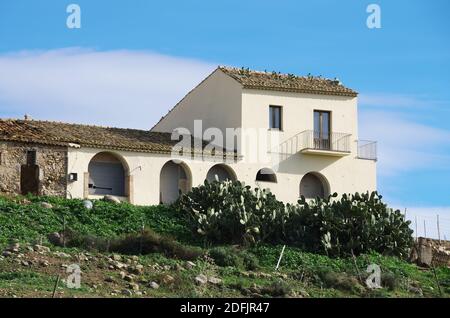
[(106, 178)]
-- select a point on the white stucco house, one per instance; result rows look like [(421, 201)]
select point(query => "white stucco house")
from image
[(295, 135)]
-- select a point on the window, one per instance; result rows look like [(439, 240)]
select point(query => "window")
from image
[(1, 158), (31, 157), (322, 129), (275, 117), (266, 175)]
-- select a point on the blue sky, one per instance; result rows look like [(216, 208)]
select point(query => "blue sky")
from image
[(139, 57)]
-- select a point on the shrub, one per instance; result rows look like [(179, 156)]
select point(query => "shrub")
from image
[(352, 224), (230, 212), (223, 256), (250, 261), (341, 281)]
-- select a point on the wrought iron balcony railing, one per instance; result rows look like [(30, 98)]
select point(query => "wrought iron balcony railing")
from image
[(313, 141), (367, 149), (335, 141)]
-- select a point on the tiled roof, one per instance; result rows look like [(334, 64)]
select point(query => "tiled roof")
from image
[(69, 135), (287, 82)]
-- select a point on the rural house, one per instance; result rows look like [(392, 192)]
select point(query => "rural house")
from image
[(294, 135)]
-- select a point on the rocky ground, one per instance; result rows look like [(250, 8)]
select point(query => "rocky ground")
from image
[(33, 271), (39, 271)]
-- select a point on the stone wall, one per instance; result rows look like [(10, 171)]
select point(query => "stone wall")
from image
[(430, 252), (52, 162)]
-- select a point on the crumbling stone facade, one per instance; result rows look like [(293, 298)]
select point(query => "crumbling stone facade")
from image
[(51, 160)]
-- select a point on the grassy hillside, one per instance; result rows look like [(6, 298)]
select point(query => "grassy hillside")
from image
[(164, 270)]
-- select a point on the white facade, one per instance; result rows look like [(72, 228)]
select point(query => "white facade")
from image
[(221, 101)]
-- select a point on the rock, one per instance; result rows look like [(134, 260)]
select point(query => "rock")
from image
[(109, 279), (266, 275), (179, 268), (128, 278), (46, 205), (127, 292), (13, 248), (190, 264), (30, 249), (118, 265), (133, 286), (56, 239), (41, 249), (214, 280), (111, 198), (154, 285), (25, 263), (415, 290), (88, 204), (167, 268), (116, 257), (137, 269), (167, 279), (7, 254), (61, 254), (43, 263), (201, 279), (134, 258), (122, 275)]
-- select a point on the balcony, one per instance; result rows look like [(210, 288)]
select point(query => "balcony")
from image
[(310, 142), (367, 149)]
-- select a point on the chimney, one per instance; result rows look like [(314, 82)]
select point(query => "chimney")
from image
[(27, 117)]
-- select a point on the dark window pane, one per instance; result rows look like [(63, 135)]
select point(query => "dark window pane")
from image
[(31, 157), (275, 117)]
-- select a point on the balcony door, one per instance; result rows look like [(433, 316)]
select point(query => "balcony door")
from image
[(322, 128)]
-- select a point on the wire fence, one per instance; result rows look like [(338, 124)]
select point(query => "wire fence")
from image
[(433, 226)]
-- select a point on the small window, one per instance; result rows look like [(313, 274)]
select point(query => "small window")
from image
[(31, 157), (275, 117)]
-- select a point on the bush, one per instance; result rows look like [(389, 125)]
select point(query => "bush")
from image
[(353, 224), (250, 261), (223, 256), (230, 212), (25, 219), (146, 242)]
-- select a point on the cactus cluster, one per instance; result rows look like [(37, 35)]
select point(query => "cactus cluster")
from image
[(231, 212)]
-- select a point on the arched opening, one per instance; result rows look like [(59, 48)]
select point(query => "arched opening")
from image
[(266, 175), (314, 185), (107, 174), (175, 177), (222, 172)]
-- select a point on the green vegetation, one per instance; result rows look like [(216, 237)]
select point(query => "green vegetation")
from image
[(166, 244), (24, 219), (230, 212)]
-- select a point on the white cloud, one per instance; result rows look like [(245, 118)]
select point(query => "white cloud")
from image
[(114, 88), (404, 145)]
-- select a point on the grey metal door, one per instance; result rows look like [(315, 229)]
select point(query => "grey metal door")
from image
[(106, 178)]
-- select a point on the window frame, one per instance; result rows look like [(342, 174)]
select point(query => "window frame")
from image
[(272, 117), (320, 131)]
